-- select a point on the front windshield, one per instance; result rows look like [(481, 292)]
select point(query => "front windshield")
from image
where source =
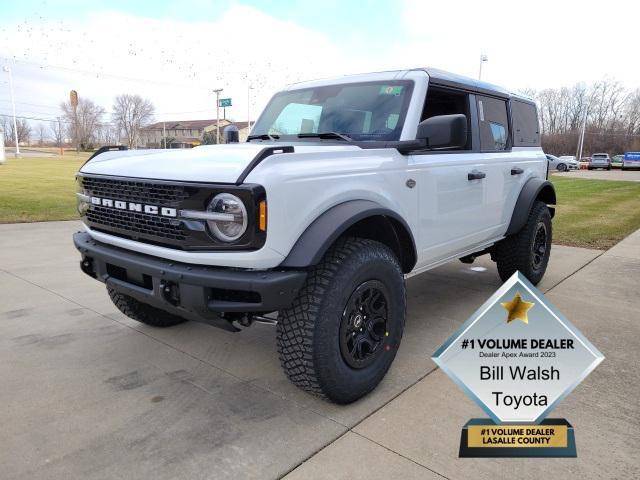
[(360, 111)]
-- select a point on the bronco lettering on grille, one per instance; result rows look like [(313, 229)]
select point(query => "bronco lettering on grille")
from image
[(134, 207)]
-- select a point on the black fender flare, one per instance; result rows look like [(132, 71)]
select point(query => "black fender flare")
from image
[(534, 188), (330, 225)]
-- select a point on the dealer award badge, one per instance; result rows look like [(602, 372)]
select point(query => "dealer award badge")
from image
[(517, 357)]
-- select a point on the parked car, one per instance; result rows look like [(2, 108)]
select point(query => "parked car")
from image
[(631, 160), (617, 161), (599, 160), (343, 189), (562, 164)]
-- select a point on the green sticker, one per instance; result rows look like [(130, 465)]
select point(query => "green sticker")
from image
[(390, 90)]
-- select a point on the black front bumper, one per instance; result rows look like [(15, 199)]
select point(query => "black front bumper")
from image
[(195, 292)]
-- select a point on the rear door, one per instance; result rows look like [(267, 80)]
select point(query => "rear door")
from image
[(526, 159), (495, 144)]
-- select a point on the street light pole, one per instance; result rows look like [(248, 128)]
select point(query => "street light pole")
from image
[(217, 92), (483, 58), (13, 106), (249, 88)]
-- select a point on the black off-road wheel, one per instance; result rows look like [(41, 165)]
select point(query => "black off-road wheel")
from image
[(527, 251), (342, 332), (142, 312)]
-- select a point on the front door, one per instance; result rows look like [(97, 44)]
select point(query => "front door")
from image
[(462, 193), (460, 202)]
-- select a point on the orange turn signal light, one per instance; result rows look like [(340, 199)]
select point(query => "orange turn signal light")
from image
[(262, 218)]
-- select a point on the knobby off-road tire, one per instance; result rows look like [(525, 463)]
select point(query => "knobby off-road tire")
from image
[(341, 334), (141, 312), (528, 250)]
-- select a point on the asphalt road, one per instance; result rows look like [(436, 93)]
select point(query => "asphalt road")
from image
[(26, 152), (88, 393), (615, 174)]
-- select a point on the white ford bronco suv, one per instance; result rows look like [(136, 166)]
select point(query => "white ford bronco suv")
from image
[(344, 188)]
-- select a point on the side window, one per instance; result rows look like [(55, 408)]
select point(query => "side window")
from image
[(494, 124), (499, 133), (444, 101), (526, 131)]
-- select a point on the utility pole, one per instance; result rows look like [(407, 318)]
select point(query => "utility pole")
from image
[(164, 135), (583, 130), (483, 58), (249, 88), (59, 138), (13, 106), (217, 92), (581, 138)]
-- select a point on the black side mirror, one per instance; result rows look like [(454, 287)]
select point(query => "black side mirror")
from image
[(444, 131)]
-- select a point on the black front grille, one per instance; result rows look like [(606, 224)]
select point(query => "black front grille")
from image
[(142, 226), (137, 224), (172, 232), (136, 191)]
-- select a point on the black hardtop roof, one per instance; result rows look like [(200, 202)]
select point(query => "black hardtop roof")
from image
[(448, 79)]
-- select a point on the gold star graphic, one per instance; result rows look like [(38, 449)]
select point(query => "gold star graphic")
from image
[(517, 309)]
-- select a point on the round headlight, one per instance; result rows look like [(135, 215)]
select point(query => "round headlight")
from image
[(234, 221)]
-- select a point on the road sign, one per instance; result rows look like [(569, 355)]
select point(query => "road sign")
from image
[(73, 98), (224, 102)]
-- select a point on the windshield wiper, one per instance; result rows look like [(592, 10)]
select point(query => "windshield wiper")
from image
[(263, 136), (336, 135)]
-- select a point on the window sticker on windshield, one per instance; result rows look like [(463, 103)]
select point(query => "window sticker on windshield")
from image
[(390, 90)]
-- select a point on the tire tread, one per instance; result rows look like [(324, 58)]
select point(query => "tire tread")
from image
[(295, 329), (513, 252)]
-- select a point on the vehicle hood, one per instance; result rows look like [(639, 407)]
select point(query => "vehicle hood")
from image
[(208, 163)]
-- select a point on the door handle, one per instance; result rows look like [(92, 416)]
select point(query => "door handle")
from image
[(516, 171), (476, 175)]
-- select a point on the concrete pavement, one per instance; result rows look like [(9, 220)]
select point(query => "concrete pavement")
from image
[(422, 425), (89, 393)]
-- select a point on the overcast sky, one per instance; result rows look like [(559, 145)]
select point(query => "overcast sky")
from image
[(175, 53)]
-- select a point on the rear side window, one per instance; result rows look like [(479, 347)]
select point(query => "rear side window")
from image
[(494, 124), (526, 131)]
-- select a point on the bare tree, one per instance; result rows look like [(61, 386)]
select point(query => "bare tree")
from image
[(632, 112), (41, 133), (612, 117), (109, 134), (83, 124), (57, 130), (4, 123), (24, 131), (130, 114)]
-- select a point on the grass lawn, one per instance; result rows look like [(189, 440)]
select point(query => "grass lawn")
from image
[(595, 213), (590, 213), (36, 189)]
